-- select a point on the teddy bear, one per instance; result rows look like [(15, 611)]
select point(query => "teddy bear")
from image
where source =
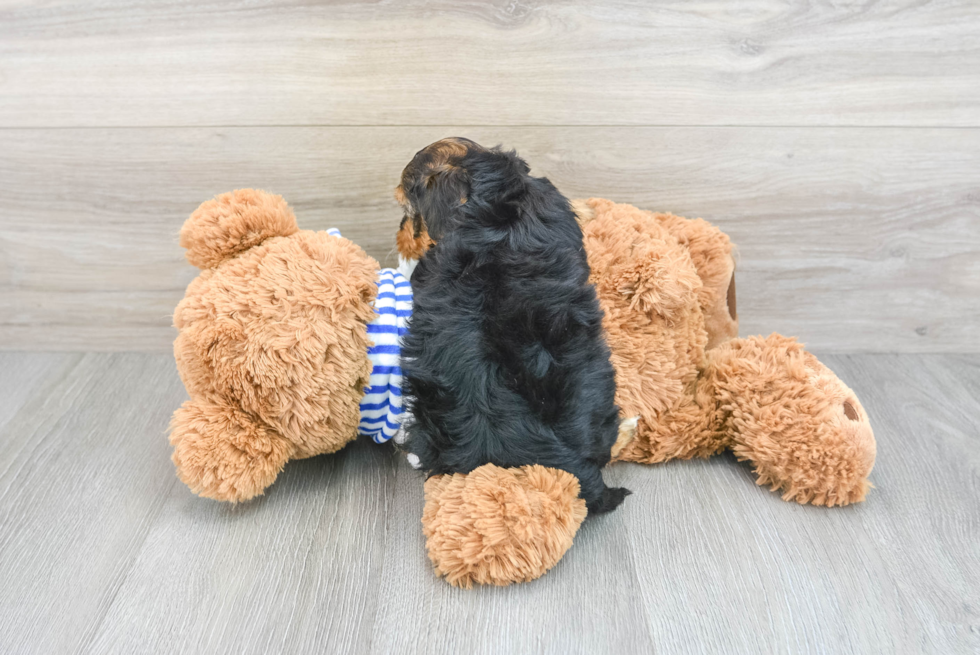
[(287, 345), (667, 288)]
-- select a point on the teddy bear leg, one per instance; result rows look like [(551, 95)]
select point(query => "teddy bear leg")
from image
[(223, 453), (802, 428), (500, 525)]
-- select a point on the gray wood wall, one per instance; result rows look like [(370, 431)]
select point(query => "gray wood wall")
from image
[(838, 143)]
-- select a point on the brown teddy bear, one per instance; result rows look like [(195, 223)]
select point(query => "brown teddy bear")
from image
[(274, 343), (667, 287)]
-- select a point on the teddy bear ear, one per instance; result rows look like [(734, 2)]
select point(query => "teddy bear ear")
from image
[(232, 223)]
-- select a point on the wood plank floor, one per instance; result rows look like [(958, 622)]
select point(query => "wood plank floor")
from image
[(102, 550)]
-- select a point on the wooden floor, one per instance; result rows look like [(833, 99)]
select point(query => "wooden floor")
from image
[(103, 550)]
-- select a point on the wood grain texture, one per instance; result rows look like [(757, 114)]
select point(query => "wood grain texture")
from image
[(508, 62), (854, 239), (22, 373), (297, 571), (103, 551), (84, 470)]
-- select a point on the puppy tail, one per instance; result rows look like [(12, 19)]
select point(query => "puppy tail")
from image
[(610, 499)]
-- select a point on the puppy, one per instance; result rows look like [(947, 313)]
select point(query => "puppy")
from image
[(504, 361)]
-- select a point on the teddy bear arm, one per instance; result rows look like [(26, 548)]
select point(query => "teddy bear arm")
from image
[(223, 453)]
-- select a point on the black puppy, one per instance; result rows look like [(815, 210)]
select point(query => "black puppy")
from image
[(505, 360)]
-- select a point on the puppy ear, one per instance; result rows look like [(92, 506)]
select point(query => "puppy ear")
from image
[(499, 184), (445, 188)]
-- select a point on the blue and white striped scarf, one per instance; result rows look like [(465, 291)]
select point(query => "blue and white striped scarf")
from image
[(381, 407)]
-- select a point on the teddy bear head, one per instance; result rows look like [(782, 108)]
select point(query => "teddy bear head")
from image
[(271, 346)]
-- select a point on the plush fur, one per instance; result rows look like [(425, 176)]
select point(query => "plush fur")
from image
[(272, 349), (272, 344), (665, 283), (666, 286), (505, 361), (803, 430), (500, 525)]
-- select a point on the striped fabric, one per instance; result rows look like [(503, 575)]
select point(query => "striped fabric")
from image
[(381, 407)]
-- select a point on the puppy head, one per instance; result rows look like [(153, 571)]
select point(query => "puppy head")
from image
[(446, 176)]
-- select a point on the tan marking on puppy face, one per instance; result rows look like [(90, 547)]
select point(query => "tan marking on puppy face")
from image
[(444, 150), (434, 159), (410, 246)]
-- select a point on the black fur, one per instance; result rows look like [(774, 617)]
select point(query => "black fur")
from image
[(505, 360)]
